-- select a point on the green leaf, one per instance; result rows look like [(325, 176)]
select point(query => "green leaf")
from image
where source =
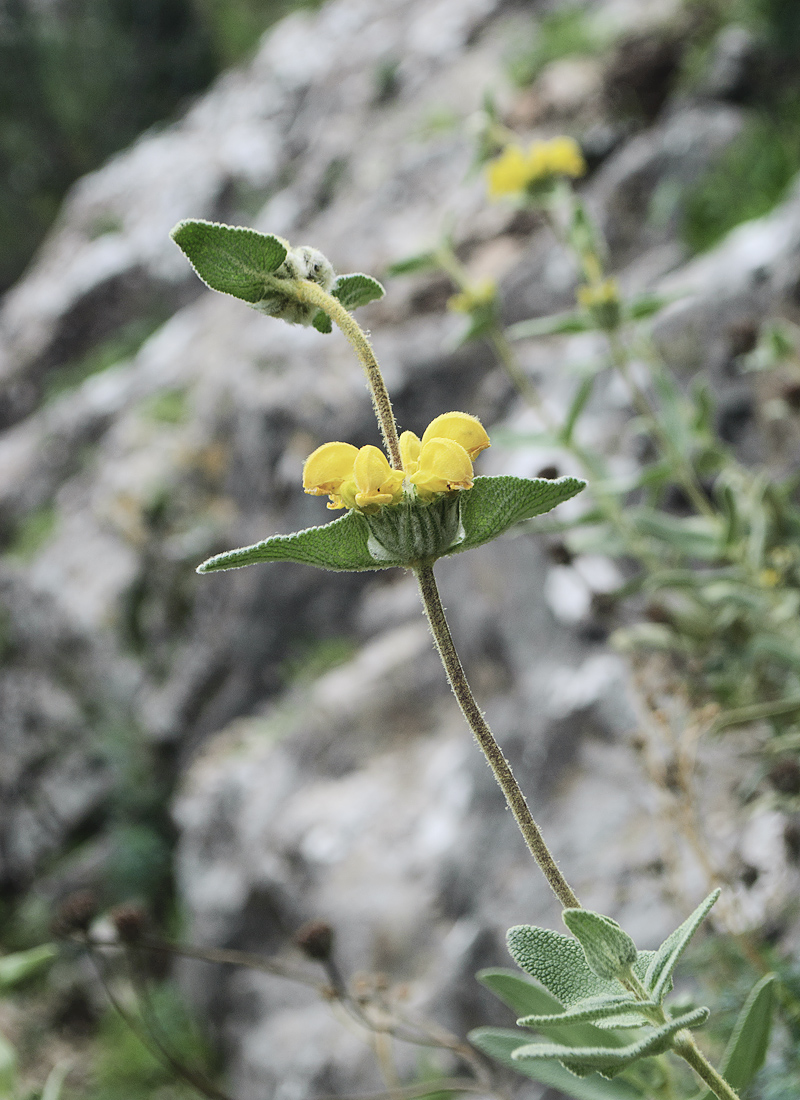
[(8, 1068), (608, 1061), (496, 503), (525, 996), (747, 1046), (22, 965), (341, 545), (322, 322), (423, 261), (646, 305), (578, 404), (658, 979), (54, 1084), (593, 1008), (609, 950), (560, 324), (356, 290), (499, 1043), (228, 258)]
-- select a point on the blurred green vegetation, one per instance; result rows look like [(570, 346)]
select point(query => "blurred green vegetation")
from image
[(567, 32), (80, 79)]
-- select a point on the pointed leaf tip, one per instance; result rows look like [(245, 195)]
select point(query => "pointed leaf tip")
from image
[(231, 259), (658, 979)]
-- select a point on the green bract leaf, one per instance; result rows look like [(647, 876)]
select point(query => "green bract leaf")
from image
[(610, 952), (341, 545), (356, 290), (231, 259), (658, 979), (500, 1043), (609, 1061), (322, 322), (21, 965), (747, 1047), (496, 503), (560, 324)]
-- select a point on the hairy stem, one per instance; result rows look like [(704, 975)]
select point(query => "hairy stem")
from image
[(485, 738), (314, 295), (685, 1046)]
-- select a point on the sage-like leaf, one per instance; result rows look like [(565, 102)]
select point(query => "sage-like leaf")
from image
[(356, 290), (609, 1061), (593, 1008), (747, 1046), (610, 952), (496, 503), (340, 545), (500, 1043), (658, 979), (231, 259)]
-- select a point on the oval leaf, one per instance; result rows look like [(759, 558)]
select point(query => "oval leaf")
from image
[(356, 290), (229, 258), (610, 952)]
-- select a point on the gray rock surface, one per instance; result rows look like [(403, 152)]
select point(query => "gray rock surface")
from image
[(355, 795)]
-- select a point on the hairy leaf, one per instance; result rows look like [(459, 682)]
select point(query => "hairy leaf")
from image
[(228, 258), (593, 1008), (500, 1043), (496, 503), (658, 979), (322, 322), (356, 290), (609, 950)]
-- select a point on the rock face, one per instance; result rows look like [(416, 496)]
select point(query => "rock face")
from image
[(356, 795)]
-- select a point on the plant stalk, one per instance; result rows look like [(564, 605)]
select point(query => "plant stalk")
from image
[(483, 735), (313, 294), (685, 1046)]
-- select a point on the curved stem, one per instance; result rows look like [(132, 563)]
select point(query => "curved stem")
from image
[(313, 294), (685, 1046), (485, 738)]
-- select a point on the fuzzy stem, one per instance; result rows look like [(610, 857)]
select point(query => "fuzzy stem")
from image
[(313, 294), (483, 735), (685, 1046)]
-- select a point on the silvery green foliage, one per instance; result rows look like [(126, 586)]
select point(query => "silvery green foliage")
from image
[(261, 268), (411, 531), (589, 1021)]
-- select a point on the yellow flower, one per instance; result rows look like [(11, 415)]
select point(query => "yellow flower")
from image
[(352, 477), (602, 301), (515, 170), (442, 460), (475, 297)]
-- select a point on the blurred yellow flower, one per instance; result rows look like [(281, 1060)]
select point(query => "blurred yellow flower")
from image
[(362, 478), (477, 296), (515, 170)]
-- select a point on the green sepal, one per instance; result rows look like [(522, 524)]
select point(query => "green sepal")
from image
[(525, 996), (609, 1061), (500, 1043), (340, 546), (322, 322), (559, 324), (496, 503), (231, 259), (658, 979), (356, 290), (609, 950), (593, 1008), (749, 1041), (558, 962)]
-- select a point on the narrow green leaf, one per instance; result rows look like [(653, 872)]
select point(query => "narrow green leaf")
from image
[(22, 965), (560, 324), (322, 322), (610, 1060), (582, 395), (609, 950), (658, 979), (229, 258), (423, 261), (646, 305), (8, 1068), (749, 1041), (499, 1043), (341, 545), (54, 1084), (594, 1008), (356, 290), (525, 996), (496, 503)]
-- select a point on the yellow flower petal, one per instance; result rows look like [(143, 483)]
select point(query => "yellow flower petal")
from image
[(409, 452), (328, 467), (443, 465), (462, 428), (377, 483), (508, 173)]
